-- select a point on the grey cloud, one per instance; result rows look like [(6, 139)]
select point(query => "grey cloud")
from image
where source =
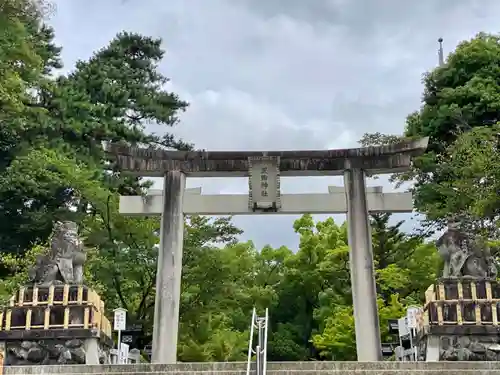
[(363, 18), (232, 119), (283, 74)]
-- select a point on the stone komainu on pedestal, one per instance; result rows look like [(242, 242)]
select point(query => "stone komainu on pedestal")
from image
[(460, 319), (56, 319), (64, 263), (465, 255)]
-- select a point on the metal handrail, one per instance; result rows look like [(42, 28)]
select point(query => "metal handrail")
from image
[(261, 324)]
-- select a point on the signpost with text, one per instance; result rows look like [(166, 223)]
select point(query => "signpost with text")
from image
[(119, 325)]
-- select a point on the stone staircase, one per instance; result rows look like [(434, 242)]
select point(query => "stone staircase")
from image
[(273, 368)]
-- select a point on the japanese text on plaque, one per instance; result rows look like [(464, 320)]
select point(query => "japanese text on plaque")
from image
[(264, 183)]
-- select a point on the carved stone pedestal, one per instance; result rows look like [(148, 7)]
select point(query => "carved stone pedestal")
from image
[(460, 321), (57, 324)]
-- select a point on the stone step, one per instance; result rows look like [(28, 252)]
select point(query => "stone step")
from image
[(40, 370), (271, 366), (274, 368)]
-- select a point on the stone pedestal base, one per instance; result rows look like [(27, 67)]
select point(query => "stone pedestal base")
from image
[(54, 325), (460, 344), (55, 352), (460, 321)]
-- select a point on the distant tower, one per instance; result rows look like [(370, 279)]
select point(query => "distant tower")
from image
[(440, 52)]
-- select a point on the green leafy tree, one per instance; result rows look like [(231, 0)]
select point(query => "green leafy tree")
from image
[(125, 265), (318, 271), (220, 288), (458, 97), (19, 267), (27, 56), (337, 341), (404, 267), (110, 97), (471, 189)]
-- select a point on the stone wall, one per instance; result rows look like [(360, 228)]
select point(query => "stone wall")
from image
[(53, 352), (459, 343), (50, 353), (274, 368)]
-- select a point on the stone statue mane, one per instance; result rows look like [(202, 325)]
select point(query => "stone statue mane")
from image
[(465, 255), (65, 261)]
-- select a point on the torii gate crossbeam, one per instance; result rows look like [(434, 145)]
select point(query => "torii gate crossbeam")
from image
[(333, 202)]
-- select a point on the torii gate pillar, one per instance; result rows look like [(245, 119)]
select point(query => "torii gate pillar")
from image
[(169, 270), (364, 291)]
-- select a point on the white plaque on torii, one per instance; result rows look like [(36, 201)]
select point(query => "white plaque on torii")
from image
[(264, 190)]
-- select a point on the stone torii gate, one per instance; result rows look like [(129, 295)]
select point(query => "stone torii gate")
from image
[(264, 170)]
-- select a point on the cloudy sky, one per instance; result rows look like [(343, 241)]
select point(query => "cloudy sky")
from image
[(283, 74)]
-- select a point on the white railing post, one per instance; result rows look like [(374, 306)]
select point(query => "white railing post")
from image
[(250, 342), (264, 362), (258, 362)]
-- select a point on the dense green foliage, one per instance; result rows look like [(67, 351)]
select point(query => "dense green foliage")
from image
[(53, 167)]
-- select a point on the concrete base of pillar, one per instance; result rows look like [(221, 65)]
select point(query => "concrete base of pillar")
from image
[(92, 351)]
